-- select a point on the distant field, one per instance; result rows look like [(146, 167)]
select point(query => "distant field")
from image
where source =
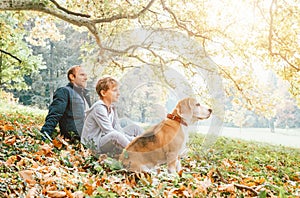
[(9, 107), (284, 137)]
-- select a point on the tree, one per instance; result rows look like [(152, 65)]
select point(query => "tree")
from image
[(16, 57), (46, 81), (259, 38)]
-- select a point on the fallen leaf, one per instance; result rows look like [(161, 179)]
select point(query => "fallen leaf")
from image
[(48, 179), (227, 188), (181, 192), (227, 163), (260, 180), (89, 189), (32, 192), (11, 160), (271, 168), (8, 127), (69, 194), (27, 175), (21, 162), (58, 144), (62, 140), (204, 185), (78, 194), (56, 194), (34, 164), (10, 140), (45, 150)]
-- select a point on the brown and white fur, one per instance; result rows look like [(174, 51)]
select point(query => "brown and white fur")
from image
[(164, 142)]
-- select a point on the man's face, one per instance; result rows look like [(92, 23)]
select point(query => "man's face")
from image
[(80, 78)]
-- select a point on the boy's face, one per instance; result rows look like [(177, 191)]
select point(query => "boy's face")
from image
[(112, 94)]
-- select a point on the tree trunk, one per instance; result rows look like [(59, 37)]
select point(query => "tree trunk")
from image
[(51, 72)]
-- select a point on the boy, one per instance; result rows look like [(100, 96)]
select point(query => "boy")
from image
[(102, 131)]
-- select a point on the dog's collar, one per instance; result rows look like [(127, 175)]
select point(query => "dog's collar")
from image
[(177, 118)]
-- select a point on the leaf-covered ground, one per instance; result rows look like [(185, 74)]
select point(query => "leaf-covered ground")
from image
[(232, 168)]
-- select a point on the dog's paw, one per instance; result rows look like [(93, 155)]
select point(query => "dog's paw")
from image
[(178, 166)]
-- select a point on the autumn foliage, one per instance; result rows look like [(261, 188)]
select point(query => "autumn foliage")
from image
[(30, 167)]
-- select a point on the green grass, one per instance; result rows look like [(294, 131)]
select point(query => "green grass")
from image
[(230, 168)]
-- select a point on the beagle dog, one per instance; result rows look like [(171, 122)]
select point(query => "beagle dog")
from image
[(164, 142)]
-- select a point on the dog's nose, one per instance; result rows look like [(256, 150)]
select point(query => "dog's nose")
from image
[(210, 110)]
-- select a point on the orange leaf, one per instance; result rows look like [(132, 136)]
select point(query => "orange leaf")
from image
[(57, 143), (98, 182), (11, 160), (31, 192), (69, 194), (89, 189), (182, 192), (45, 149), (56, 194), (34, 164), (61, 139), (260, 180), (248, 179), (10, 140), (8, 127), (21, 162), (47, 179), (256, 169), (271, 168), (27, 175), (250, 184)]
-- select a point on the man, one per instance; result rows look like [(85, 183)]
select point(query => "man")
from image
[(68, 106), (102, 131)]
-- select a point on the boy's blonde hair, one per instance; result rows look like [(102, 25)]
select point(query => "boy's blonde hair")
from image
[(105, 84)]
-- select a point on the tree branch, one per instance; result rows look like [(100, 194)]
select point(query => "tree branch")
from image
[(270, 38), (240, 89), (124, 16), (288, 62), (179, 23), (7, 53), (271, 26), (246, 187), (235, 184), (74, 18), (68, 11)]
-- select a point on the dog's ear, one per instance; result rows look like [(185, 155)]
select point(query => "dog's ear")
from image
[(192, 102), (185, 108)]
